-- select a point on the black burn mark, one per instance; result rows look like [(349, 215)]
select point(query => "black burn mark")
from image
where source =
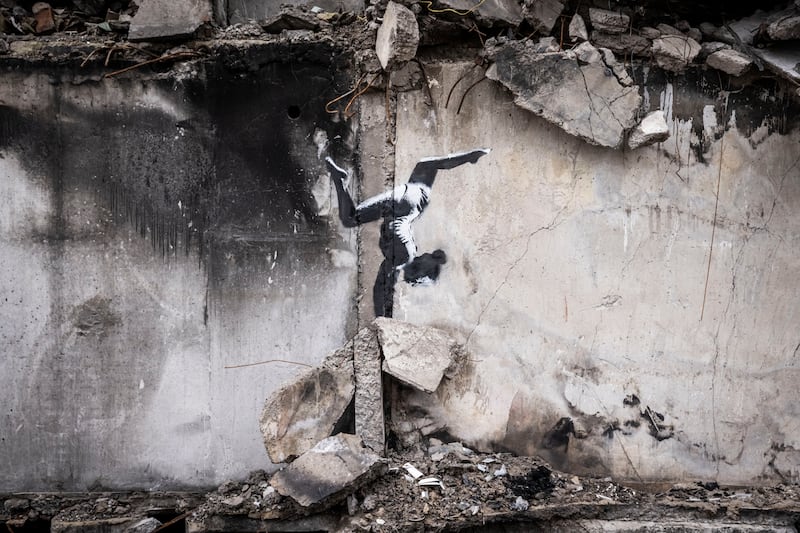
[(536, 481), (755, 100), (558, 435), (655, 420), (631, 400)]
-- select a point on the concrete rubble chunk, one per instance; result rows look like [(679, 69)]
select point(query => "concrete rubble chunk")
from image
[(547, 45), (543, 14), (398, 36), (649, 33), (489, 12), (666, 29), (652, 129), (622, 43), (616, 67), (145, 525), (43, 13), (729, 61), (608, 21), (587, 54), (785, 28), (328, 472), (416, 355), (168, 19), (675, 52), (597, 108), (709, 47), (780, 58), (716, 33), (306, 410), (291, 19), (577, 29), (369, 390), (695, 34)]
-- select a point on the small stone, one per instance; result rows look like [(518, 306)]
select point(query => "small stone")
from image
[(577, 29), (398, 36), (652, 129), (43, 14), (729, 61), (675, 52), (683, 25), (500, 472), (547, 45), (520, 504), (608, 21), (370, 502), (587, 54)]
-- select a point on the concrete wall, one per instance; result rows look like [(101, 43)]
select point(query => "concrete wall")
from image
[(154, 230), (577, 274)]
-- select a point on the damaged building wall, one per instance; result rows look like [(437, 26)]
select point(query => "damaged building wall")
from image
[(155, 230), (578, 278)]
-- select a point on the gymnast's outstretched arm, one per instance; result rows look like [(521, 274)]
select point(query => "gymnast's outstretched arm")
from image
[(350, 215)]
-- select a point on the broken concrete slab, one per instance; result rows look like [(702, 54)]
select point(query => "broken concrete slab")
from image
[(369, 390), (328, 472), (577, 29), (306, 410), (622, 43), (416, 355), (608, 21), (781, 58), (489, 12), (43, 13), (398, 36), (729, 61), (786, 27), (600, 112), (543, 14), (709, 47), (652, 129), (291, 19), (675, 52), (168, 19)]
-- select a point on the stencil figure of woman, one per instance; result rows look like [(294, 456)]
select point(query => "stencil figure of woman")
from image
[(398, 208)]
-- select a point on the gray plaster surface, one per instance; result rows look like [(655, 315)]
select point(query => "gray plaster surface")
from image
[(577, 277)]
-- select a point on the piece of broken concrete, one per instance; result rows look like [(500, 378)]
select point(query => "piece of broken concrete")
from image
[(675, 52), (652, 129), (416, 355), (398, 36), (608, 21), (729, 61), (43, 13), (291, 19), (622, 43), (168, 19), (487, 12), (577, 29), (328, 472), (306, 410), (600, 113), (786, 28), (543, 14)]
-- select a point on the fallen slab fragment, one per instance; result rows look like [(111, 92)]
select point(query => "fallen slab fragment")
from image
[(786, 27), (729, 61), (398, 37), (291, 19), (675, 52), (583, 100), (369, 390), (488, 12), (303, 412), (168, 19), (652, 129), (43, 13), (622, 43), (328, 472), (608, 21), (416, 355), (577, 29), (543, 14)]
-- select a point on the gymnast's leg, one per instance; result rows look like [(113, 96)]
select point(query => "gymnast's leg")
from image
[(350, 215), (425, 170)]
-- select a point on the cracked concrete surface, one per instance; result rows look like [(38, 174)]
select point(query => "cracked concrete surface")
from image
[(550, 230)]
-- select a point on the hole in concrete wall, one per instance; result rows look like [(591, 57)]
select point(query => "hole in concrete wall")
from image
[(293, 112)]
